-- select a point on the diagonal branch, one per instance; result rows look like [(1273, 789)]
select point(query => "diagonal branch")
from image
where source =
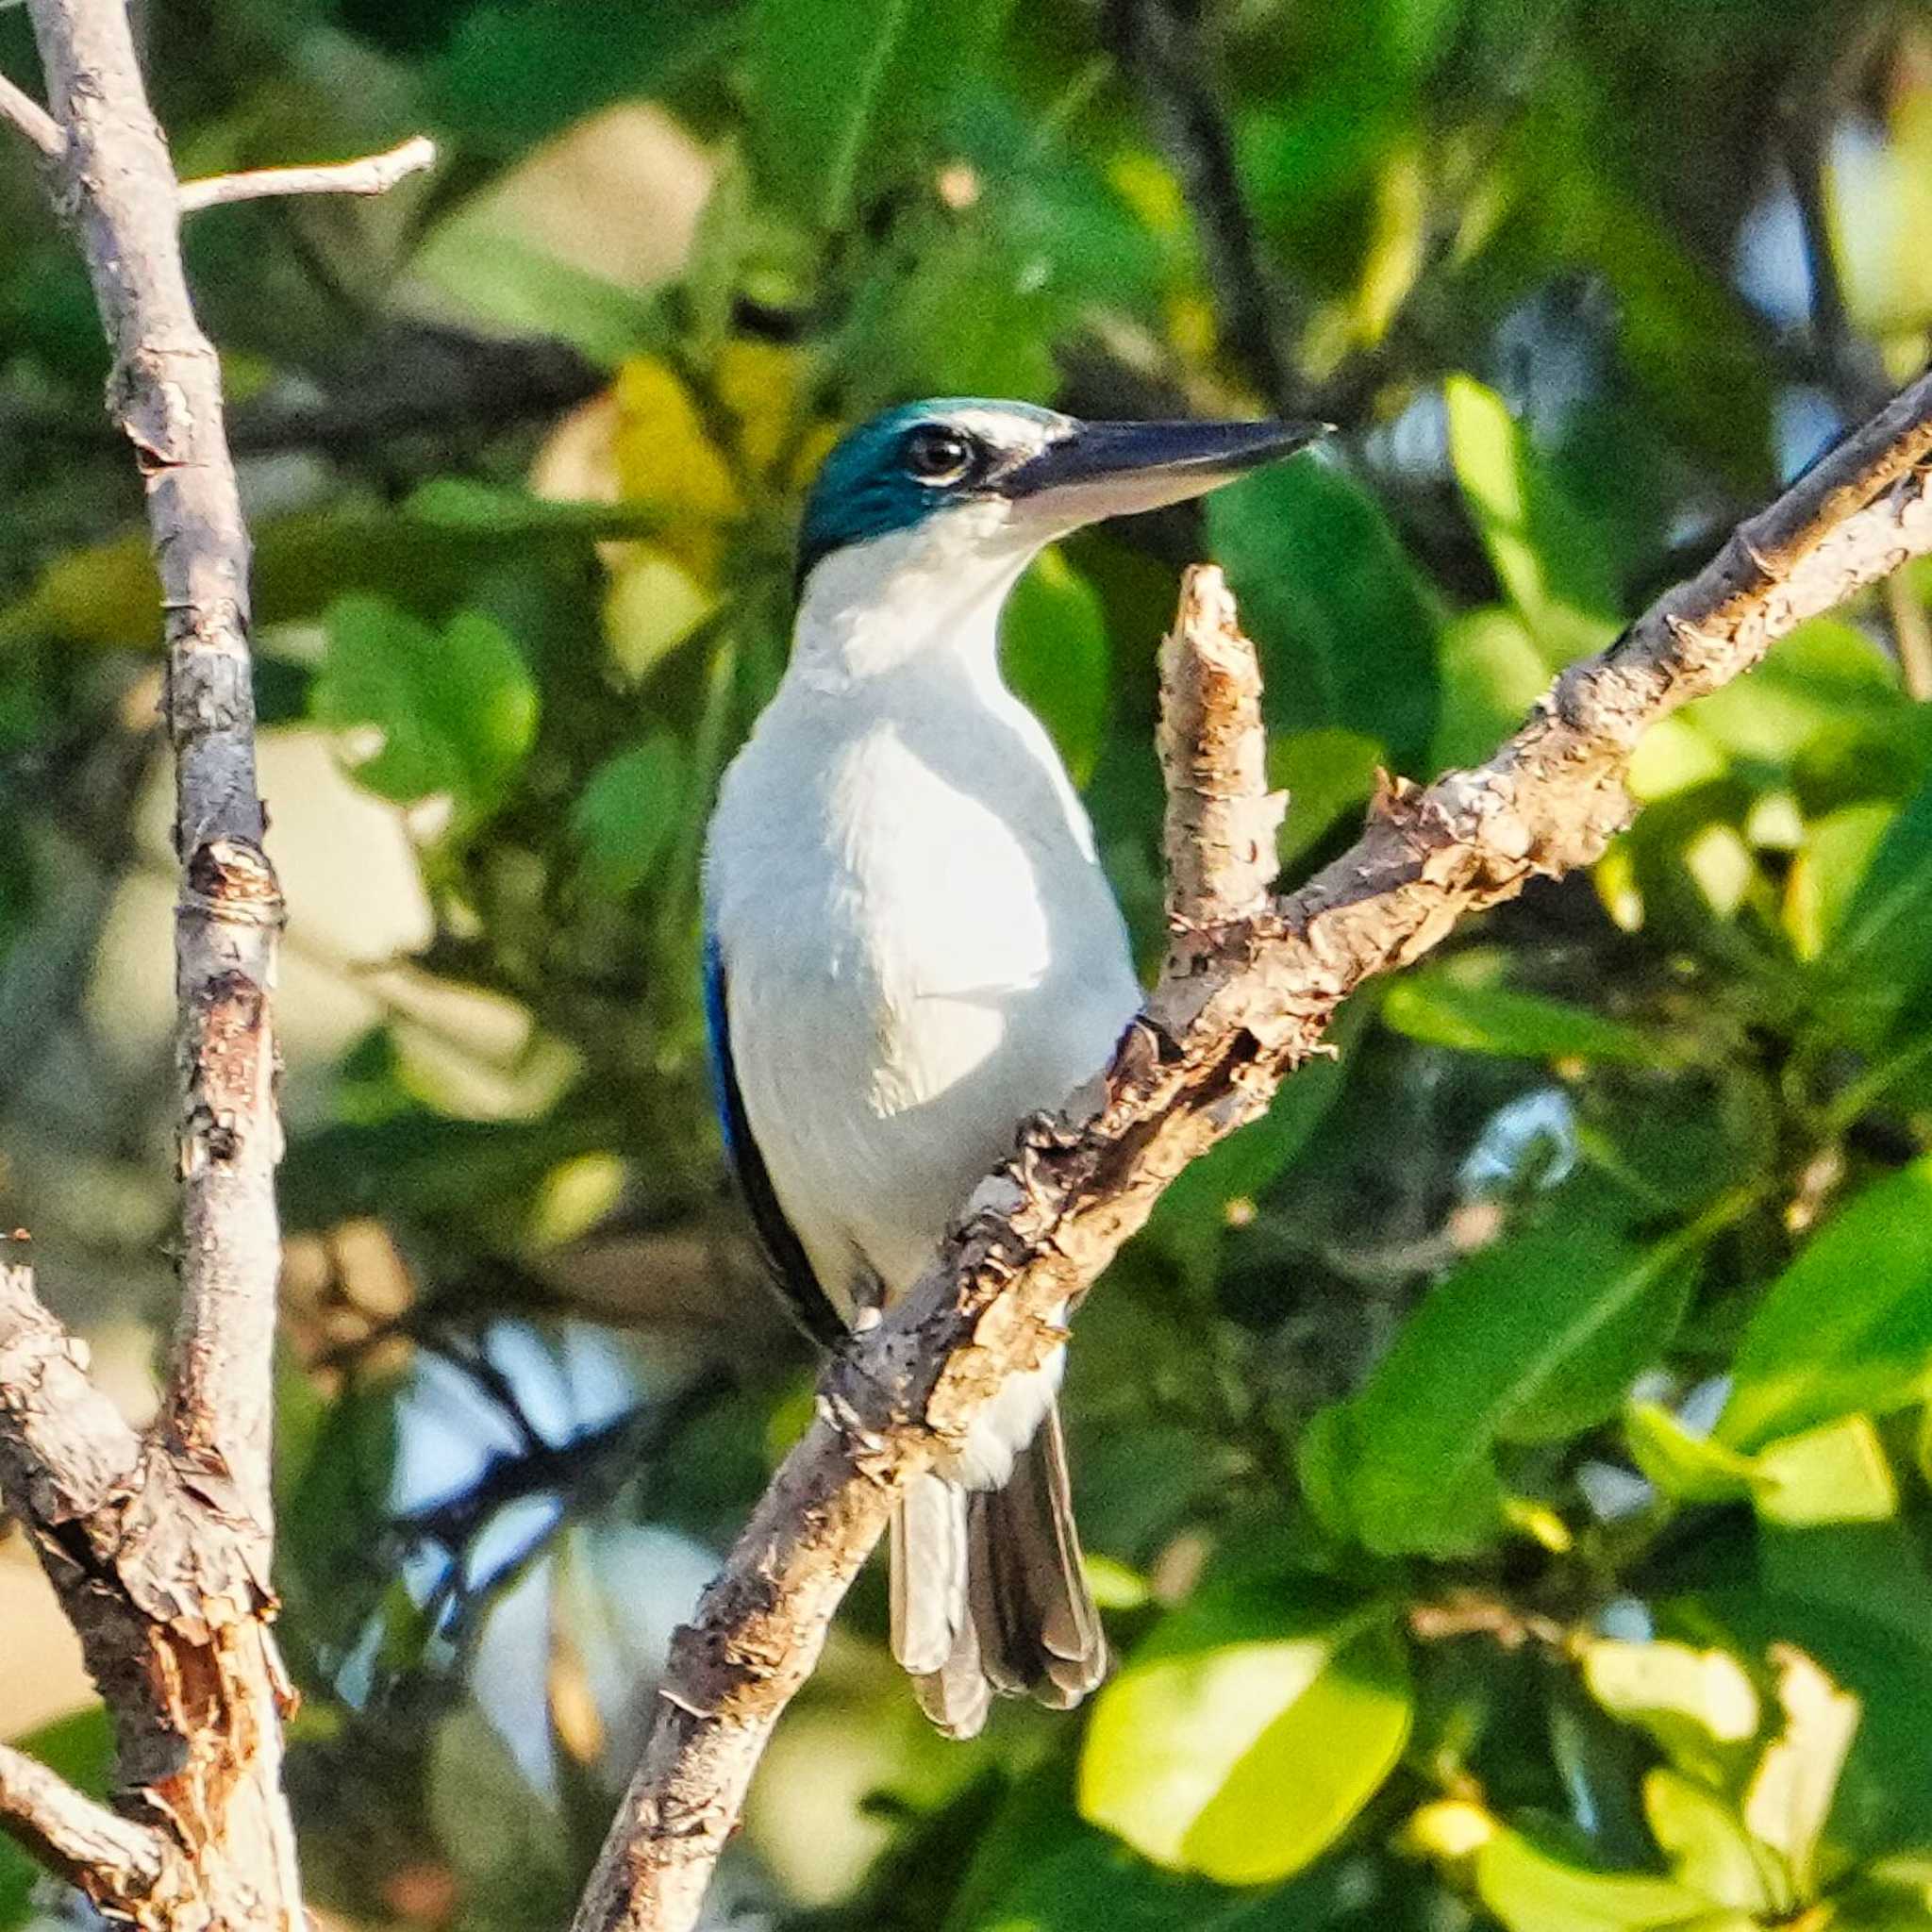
[(372, 174), (1235, 1011), (109, 1857), (20, 108)]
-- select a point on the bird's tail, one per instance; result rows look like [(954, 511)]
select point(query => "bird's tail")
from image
[(989, 1593)]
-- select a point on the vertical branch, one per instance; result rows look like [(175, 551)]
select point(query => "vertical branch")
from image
[(1222, 818), (171, 1596)]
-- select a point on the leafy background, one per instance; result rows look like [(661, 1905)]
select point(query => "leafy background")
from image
[(1507, 1467)]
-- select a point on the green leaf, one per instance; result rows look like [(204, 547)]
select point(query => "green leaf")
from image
[(1054, 653), (518, 70), (1492, 672), (1550, 563), (1881, 948), (1686, 1467), (1848, 1326), (626, 813), (1698, 1704), (1528, 1341), (450, 712), (1346, 630), (1835, 1474), (961, 311), (1328, 773), (1827, 872), (463, 504), (837, 84), (107, 593), (1037, 1866), (1247, 1731), (1710, 1850), (1535, 1889), (1826, 677), (1444, 1006), (1191, 1216)]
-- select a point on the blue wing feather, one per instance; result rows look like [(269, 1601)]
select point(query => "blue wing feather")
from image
[(785, 1257)]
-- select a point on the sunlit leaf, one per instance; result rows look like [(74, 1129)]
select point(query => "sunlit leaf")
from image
[(1445, 1006), (1247, 1731), (1550, 562), (1825, 875), (1835, 1474), (1710, 1850), (1534, 1889), (1492, 674), (1699, 1705), (1790, 1797)]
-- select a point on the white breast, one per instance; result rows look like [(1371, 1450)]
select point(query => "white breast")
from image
[(920, 950)]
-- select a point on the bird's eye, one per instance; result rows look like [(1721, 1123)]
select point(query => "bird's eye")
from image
[(935, 455)]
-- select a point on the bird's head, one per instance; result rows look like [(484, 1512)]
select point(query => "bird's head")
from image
[(990, 483)]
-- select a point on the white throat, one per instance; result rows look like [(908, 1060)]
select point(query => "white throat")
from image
[(911, 596)]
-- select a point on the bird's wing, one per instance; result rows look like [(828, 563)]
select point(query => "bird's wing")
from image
[(790, 1267)]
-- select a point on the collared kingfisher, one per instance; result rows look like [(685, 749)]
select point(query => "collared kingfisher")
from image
[(911, 947)]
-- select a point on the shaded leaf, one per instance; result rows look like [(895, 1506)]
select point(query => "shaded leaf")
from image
[(446, 712), (1054, 653), (626, 813), (1346, 630), (1528, 1339), (1848, 1326)]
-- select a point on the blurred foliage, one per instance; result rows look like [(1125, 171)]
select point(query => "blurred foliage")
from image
[(1507, 1467)]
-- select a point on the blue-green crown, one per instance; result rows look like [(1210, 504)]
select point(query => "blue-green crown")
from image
[(864, 489)]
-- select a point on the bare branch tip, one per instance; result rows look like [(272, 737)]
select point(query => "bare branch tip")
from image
[(26, 114), (371, 174), (113, 1859)]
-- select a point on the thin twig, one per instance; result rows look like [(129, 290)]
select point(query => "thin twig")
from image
[(111, 1857), (20, 108), (1229, 1021), (371, 174)]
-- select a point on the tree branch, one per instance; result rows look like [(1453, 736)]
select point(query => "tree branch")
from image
[(159, 1544), (25, 113), (1236, 1009), (372, 174), (109, 1857), (1222, 819)]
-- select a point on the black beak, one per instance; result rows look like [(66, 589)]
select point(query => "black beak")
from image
[(1114, 468)]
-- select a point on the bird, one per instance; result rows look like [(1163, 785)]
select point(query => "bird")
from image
[(910, 949)]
